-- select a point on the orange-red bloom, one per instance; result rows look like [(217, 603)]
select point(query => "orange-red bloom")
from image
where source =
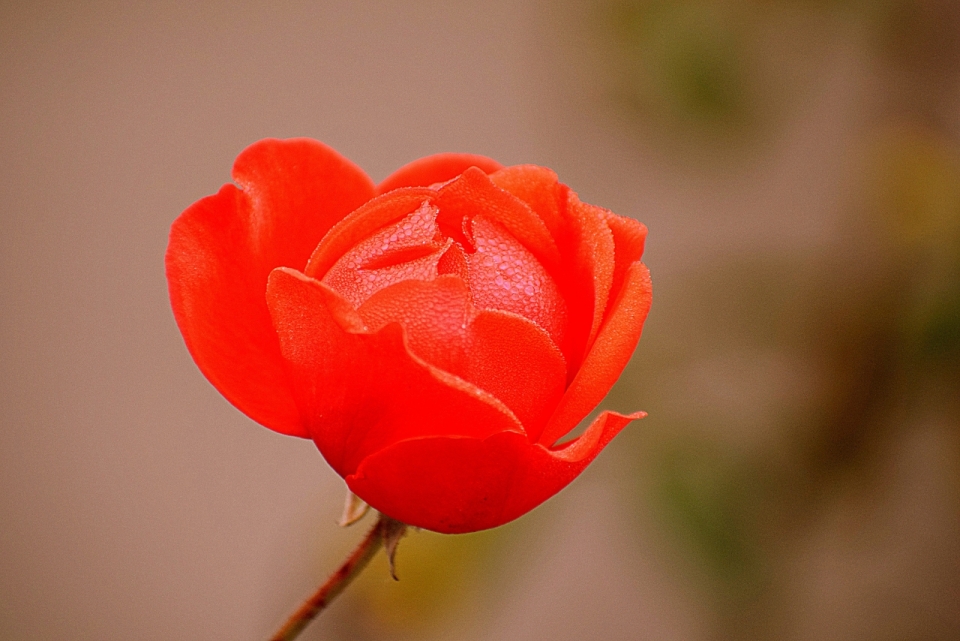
[(435, 335)]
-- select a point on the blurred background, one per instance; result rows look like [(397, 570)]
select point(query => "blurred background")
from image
[(798, 165)]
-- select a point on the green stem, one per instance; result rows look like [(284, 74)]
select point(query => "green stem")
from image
[(337, 582)]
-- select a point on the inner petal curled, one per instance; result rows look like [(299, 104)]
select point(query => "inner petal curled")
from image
[(504, 275), (406, 250)]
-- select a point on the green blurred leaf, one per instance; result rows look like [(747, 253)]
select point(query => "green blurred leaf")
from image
[(708, 500)]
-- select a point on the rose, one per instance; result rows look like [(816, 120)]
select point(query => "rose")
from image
[(435, 336)]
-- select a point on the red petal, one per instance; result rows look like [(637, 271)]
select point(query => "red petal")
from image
[(593, 260), (223, 247), (406, 250), (360, 392), (516, 361), (503, 275), (609, 355), (473, 193), (438, 168), (456, 485), (539, 188), (363, 223), (501, 353), (629, 237), (453, 261), (586, 244), (434, 314)]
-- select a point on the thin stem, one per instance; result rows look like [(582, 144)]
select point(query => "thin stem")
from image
[(336, 583)]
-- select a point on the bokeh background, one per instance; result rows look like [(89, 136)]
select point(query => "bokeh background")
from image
[(798, 165)]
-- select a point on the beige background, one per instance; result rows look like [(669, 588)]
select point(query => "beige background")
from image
[(135, 503)]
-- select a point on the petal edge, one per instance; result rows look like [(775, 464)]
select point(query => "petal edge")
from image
[(359, 391), (458, 485)]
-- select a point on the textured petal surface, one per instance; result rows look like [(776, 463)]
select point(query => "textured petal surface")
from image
[(362, 223), (454, 485), (586, 244), (516, 361), (609, 355), (503, 275), (360, 391), (629, 238), (222, 249), (406, 250), (592, 263), (540, 189), (438, 168), (473, 194), (499, 352), (434, 314)]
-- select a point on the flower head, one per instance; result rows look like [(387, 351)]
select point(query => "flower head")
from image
[(435, 335)]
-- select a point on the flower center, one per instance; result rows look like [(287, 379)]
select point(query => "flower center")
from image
[(498, 271)]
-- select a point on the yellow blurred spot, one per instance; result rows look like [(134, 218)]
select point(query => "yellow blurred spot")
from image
[(441, 578), (917, 185)]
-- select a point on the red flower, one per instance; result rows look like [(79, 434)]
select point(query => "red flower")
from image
[(451, 325)]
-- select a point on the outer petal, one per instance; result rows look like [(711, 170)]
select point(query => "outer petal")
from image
[(438, 168), (499, 352), (359, 392), (223, 247), (516, 361), (629, 237), (593, 258), (455, 485), (609, 355)]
